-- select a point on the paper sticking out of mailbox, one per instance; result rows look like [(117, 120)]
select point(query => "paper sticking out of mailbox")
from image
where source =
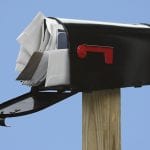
[(44, 55)]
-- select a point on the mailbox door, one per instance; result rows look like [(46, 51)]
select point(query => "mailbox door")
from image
[(131, 56)]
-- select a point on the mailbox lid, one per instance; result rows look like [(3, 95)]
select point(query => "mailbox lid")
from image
[(131, 55)]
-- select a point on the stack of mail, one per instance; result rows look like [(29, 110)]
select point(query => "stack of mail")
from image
[(44, 53)]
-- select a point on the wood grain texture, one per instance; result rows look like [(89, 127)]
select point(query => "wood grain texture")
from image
[(101, 120)]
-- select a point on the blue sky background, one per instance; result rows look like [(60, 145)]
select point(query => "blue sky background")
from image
[(59, 127)]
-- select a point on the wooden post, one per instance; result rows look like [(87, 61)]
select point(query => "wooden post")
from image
[(101, 120)]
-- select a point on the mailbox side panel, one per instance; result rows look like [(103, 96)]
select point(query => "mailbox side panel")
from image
[(131, 56)]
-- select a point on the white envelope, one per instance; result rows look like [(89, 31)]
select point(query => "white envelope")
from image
[(58, 71)]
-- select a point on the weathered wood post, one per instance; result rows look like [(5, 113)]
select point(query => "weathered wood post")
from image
[(101, 120)]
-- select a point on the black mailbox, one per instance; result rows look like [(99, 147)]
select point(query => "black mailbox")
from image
[(126, 64), (63, 54), (101, 55)]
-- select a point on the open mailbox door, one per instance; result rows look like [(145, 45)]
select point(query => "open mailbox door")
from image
[(76, 55), (29, 103)]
